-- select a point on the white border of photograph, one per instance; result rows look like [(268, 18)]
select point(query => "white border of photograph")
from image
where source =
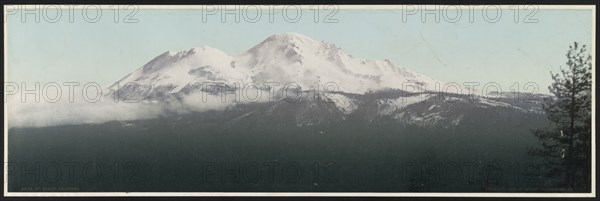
[(592, 8)]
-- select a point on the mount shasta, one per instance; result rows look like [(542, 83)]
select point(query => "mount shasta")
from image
[(338, 85)]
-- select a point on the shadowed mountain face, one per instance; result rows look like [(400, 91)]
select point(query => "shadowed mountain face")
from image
[(368, 135)]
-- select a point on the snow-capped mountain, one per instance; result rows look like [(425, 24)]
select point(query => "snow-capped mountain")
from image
[(281, 58), (374, 90)]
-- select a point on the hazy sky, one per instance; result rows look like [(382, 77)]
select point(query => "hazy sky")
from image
[(469, 50)]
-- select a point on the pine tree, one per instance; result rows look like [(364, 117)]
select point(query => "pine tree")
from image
[(566, 145)]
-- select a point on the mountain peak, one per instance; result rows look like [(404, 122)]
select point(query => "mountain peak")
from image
[(285, 40), (204, 48), (287, 36), (205, 51)]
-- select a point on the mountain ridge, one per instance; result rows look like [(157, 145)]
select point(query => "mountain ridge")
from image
[(346, 87), (283, 58)]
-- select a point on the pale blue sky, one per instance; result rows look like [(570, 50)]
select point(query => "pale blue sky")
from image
[(103, 52)]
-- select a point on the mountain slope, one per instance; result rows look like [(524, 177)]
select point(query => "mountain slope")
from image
[(346, 87), (281, 58)]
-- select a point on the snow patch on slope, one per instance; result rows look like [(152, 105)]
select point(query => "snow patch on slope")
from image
[(345, 104), (389, 106)]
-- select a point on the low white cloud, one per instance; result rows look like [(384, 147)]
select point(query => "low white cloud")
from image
[(79, 111)]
